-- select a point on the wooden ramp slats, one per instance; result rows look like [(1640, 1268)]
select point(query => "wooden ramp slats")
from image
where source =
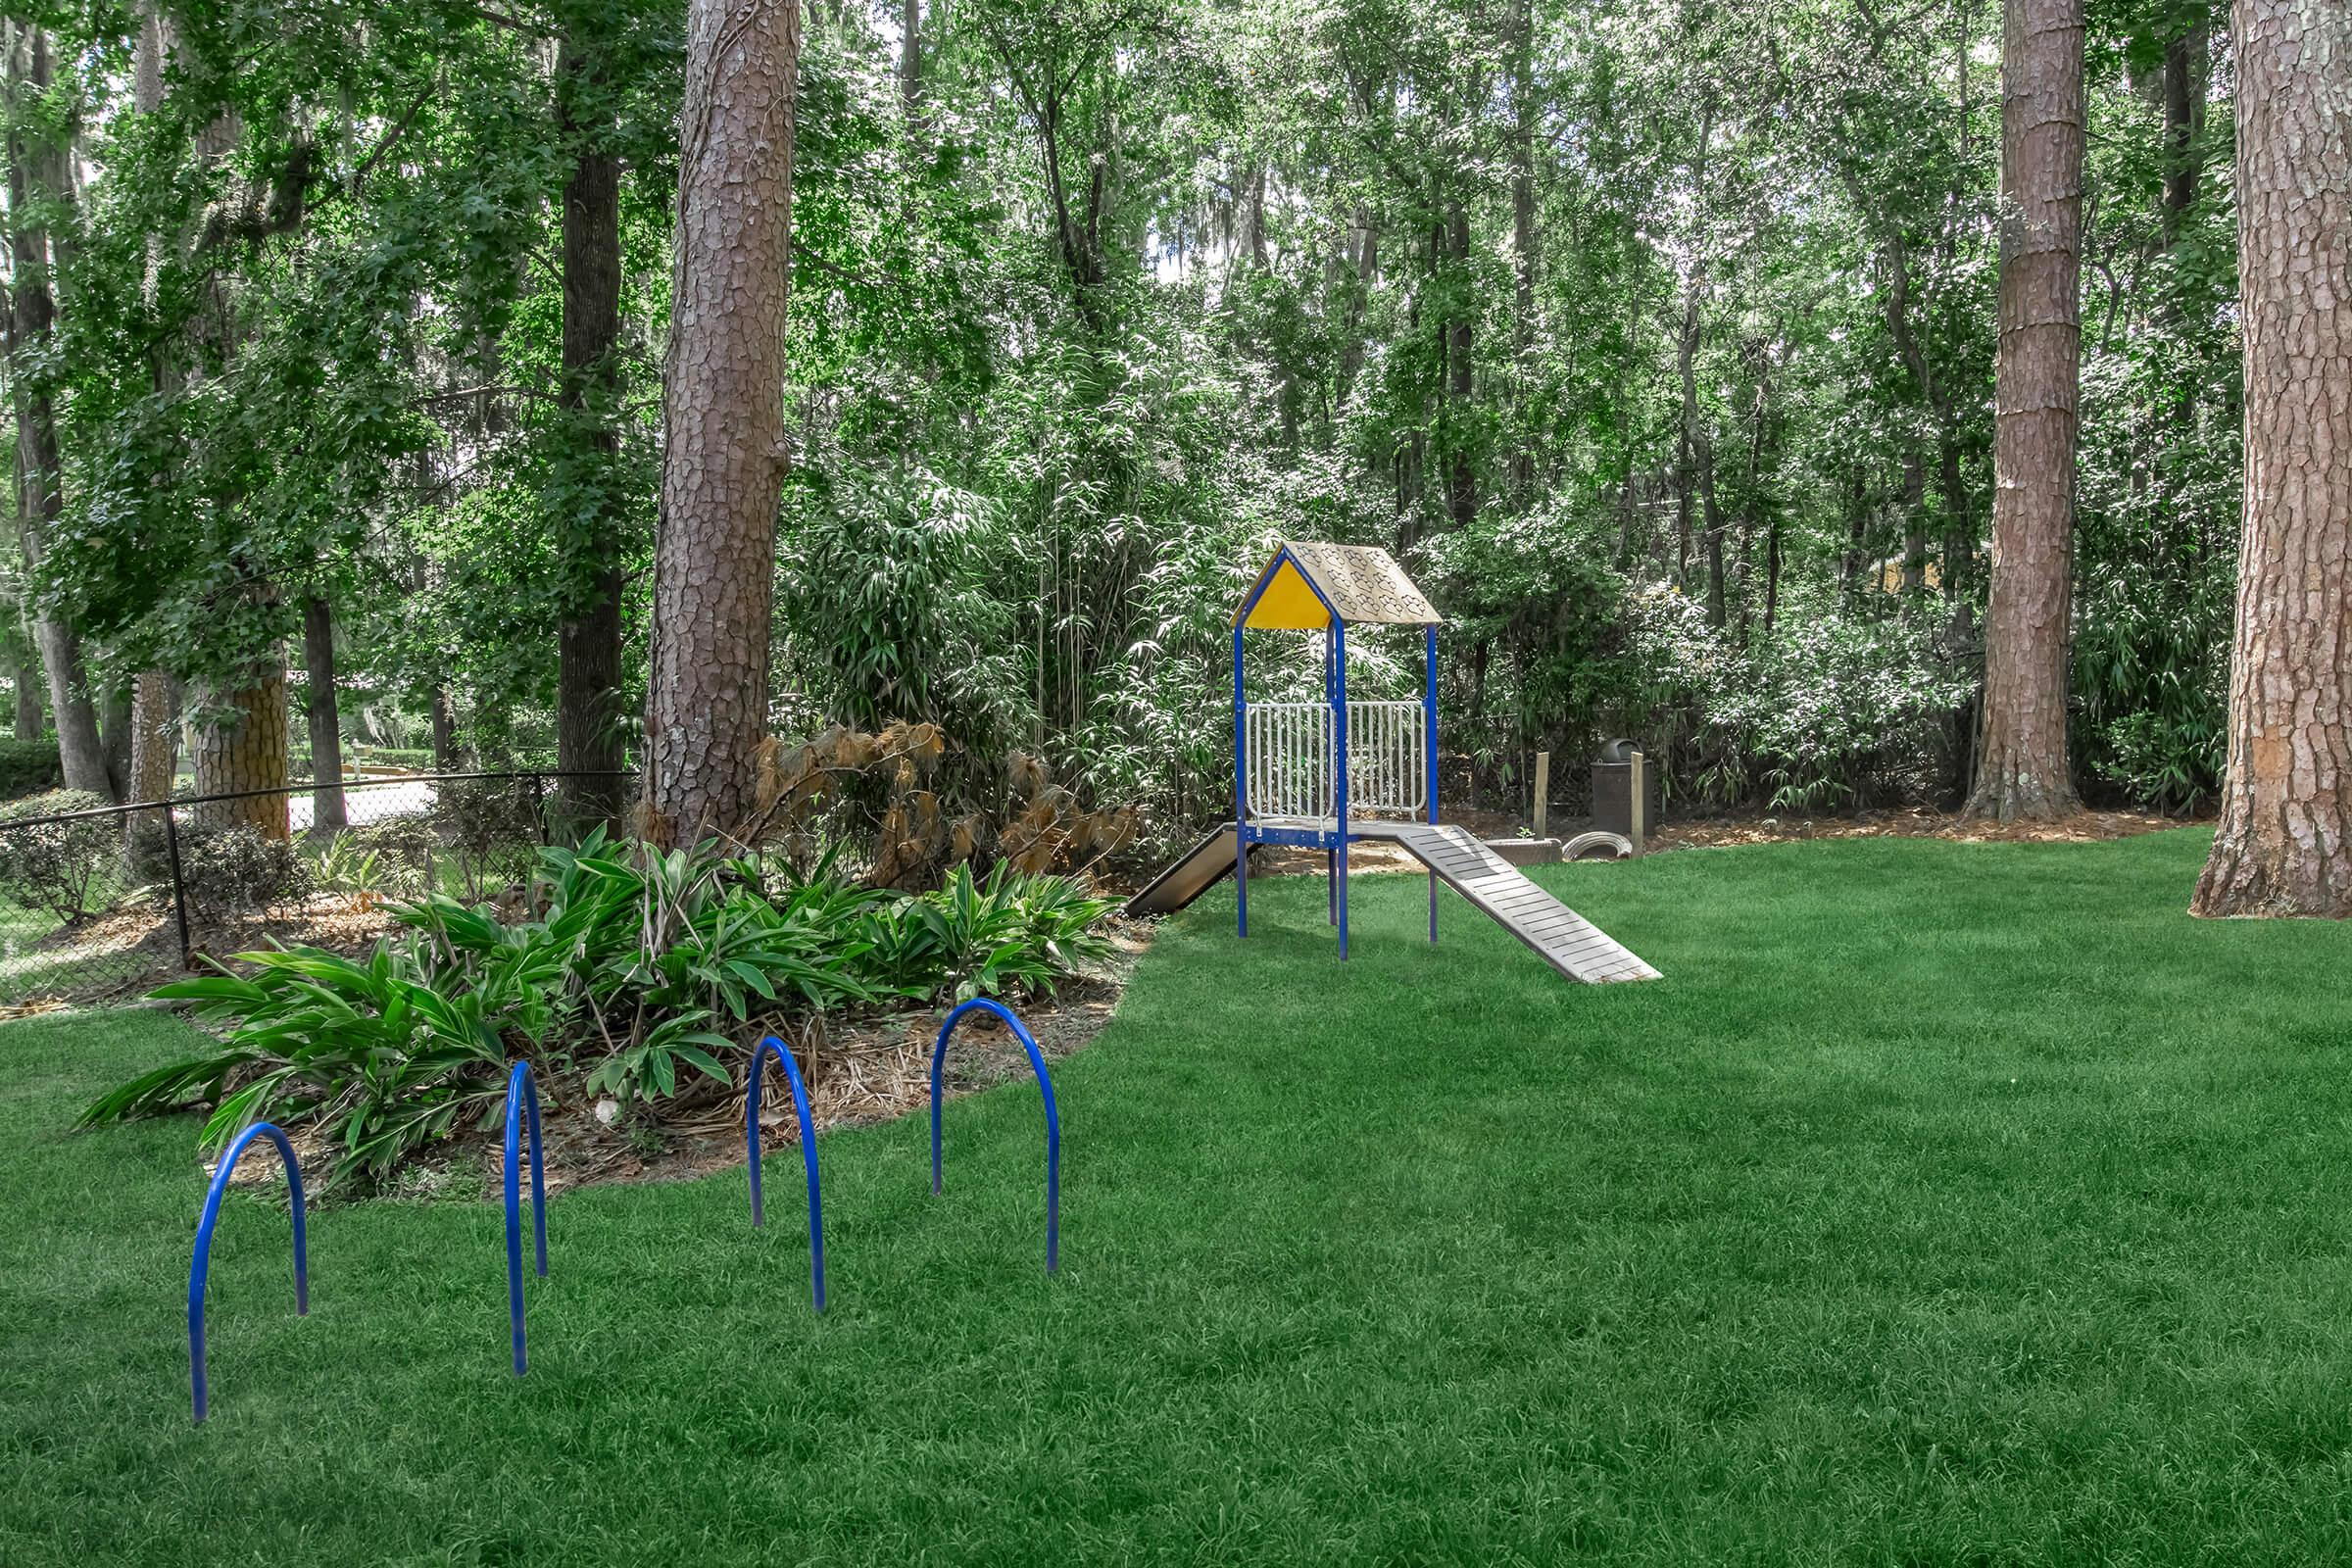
[(1558, 935)]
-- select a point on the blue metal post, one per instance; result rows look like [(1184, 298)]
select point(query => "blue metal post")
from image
[(1045, 1083), (1331, 858), (1240, 792), (1339, 744), (200, 1267), (769, 1045), (523, 1091), (1429, 763)]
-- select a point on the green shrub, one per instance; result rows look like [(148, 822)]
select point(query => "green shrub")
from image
[(63, 867), (232, 870), (29, 767), (634, 967), (1000, 935)]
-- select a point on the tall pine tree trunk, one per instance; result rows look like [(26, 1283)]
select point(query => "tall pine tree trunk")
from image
[(725, 453), (241, 749), (2021, 768), (2285, 845), (154, 736), (588, 738), (39, 174)]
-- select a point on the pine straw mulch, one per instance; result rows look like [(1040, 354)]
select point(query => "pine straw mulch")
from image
[(858, 1073), (2081, 827)]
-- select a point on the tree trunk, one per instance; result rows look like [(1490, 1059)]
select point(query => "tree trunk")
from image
[(2021, 768), (114, 730), (1523, 245), (245, 749), (38, 171), (910, 63), (325, 717), (2183, 123), (2285, 845), (1915, 526), (154, 736), (445, 729), (1461, 479), (33, 717), (725, 451), (588, 661)]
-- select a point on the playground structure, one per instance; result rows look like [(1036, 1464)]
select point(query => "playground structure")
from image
[(523, 1110), (1290, 788)]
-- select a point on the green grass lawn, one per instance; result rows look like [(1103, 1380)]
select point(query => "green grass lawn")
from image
[(1946, 1204)]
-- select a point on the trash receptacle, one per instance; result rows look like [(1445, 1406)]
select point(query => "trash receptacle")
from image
[(1621, 792)]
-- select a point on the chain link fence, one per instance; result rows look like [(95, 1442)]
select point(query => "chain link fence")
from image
[(113, 901)]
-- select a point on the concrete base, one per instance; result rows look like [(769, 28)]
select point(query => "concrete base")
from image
[(1526, 851)]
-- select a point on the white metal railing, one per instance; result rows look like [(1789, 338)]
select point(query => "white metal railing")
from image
[(1287, 748), (1386, 757), (1289, 751)]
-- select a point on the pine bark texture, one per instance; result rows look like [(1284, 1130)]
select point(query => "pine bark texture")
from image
[(246, 750), (588, 739), (154, 736), (2021, 769), (2284, 844), (725, 451), (323, 715)]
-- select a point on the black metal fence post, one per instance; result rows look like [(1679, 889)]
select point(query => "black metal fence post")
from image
[(179, 884), (539, 808)]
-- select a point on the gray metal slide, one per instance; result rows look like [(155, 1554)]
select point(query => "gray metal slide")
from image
[(1560, 936)]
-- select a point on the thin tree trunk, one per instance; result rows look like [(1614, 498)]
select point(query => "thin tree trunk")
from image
[(2183, 123), (1367, 269), (588, 654), (724, 456), (2021, 768), (33, 716), (154, 736), (910, 63), (1461, 479), (2284, 844), (114, 730), (38, 171), (326, 717), (1523, 245), (445, 729), (1915, 526)]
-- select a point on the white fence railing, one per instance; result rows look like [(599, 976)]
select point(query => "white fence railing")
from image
[(1386, 752), (1288, 752), (1287, 748)]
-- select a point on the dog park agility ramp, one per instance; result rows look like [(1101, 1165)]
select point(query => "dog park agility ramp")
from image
[(1560, 936)]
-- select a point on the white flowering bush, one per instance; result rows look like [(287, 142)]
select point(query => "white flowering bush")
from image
[(1821, 714)]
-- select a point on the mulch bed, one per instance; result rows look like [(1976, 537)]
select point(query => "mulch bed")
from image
[(858, 1073)]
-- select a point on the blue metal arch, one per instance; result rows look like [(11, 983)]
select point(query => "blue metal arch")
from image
[(523, 1091), (1045, 1082), (769, 1045), (200, 1267)]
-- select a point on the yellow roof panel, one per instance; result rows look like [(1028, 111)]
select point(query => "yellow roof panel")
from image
[(1362, 583)]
